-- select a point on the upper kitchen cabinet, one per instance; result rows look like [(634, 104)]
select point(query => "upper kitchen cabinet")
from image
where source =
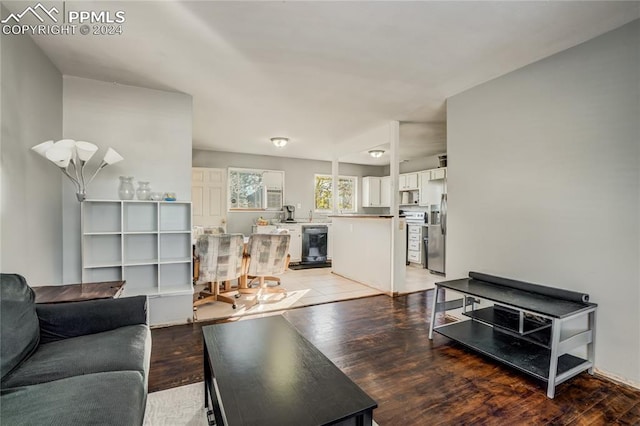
[(376, 191), (409, 182), (385, 191), (371, 191), (431, 186), (438, 173), (255, 189)]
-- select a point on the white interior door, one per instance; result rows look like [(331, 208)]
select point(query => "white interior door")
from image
[(208, 196)]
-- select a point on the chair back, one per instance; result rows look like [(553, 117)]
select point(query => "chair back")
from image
[(268, 254), (220, 256)]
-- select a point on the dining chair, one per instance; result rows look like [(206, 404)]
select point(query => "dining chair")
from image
[(252, 279), (221, 260), (266, 255)]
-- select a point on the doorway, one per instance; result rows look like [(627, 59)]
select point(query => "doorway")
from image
[(208, 197)]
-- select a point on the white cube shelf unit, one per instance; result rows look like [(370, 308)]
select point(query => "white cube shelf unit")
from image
[(146, 243)]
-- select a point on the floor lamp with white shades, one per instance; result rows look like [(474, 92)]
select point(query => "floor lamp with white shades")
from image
[(72, 156)]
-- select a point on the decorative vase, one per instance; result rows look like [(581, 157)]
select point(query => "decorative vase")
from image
[(143, 192), (126, 190)]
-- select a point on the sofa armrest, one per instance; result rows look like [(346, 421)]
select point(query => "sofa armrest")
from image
[(63, 320)]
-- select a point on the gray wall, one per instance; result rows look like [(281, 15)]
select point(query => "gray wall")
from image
[(544, 183), (31, 207), (151, 129), (299, 184)]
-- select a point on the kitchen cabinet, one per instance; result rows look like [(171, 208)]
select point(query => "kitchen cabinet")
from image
[(414, 244), (425, 178), (385, 191), (376, 191), (371, 191), (295, 244), (431, 186), (295, 230), (439, 173), (408, 182)]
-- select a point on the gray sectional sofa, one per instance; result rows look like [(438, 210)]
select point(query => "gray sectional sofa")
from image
[(72, 363)]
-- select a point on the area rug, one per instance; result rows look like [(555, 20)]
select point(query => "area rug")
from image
[(181, 406)]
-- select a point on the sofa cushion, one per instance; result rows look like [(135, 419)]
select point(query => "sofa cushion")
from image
[(116, 398), (19, 327), (125, 348)]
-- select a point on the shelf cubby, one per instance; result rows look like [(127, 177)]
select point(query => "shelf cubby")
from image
[(95, 275), (172, 277), (141, 217), (102, 250), (175, 248), (141, 279), (140, 248), (175, 216), (102, 217)]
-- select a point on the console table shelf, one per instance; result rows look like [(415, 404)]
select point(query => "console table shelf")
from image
[(527, 357), (523, 326)]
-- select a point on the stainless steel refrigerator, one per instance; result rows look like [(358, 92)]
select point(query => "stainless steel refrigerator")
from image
[(437, 236)]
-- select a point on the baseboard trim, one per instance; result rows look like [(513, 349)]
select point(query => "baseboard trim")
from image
[(616, 379)]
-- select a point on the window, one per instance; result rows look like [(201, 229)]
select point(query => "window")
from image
[(253, 189), (347, 193), (245, 189)]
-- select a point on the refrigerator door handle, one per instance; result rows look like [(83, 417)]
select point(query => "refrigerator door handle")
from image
[(443, 214)]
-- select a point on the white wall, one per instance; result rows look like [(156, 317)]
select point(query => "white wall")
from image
[(31, 225), (299, 183), (151, 129), (544, 183)]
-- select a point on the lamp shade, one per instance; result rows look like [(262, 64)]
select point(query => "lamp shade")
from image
[(60, 156), (112, 157), (376, 153), (65, 143), (85, 150), (43, 147)]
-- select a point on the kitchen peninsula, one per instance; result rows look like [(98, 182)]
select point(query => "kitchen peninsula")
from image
[(367, 249)]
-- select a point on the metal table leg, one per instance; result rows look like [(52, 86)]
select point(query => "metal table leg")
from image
[(553, 362)]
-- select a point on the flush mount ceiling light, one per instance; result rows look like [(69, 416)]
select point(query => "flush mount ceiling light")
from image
[(376, 153), (279, 142)]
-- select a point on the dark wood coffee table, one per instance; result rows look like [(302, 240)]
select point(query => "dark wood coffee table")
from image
[(78, 292), (263, 372)]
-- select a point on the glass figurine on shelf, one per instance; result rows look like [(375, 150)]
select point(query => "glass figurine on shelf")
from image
[(126, 190), (143, 192)]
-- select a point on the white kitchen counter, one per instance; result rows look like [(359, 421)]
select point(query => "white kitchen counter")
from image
[(367, 249)]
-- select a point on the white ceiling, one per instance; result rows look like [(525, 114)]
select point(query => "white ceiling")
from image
[(322, 73)]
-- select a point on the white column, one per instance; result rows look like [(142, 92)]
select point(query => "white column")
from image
[(398, 232), (335, 173)]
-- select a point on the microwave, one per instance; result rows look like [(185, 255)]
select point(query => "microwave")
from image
[(273, 199)]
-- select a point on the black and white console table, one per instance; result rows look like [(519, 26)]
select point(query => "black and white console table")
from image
[(263, 372), (521, 325)]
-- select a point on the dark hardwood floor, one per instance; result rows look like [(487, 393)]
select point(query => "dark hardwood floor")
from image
[(382, 344)]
